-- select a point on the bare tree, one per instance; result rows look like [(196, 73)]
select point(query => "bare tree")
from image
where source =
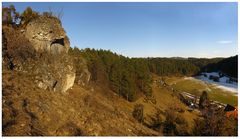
[(58, 14)]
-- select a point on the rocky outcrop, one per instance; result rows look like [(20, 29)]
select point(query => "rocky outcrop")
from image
[(35, 58), (54, 72), (82, 74), (47, 35), (83, 78), (41, 50)]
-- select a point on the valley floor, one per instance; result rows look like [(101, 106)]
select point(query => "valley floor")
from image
[(223, 82), (196, 87)]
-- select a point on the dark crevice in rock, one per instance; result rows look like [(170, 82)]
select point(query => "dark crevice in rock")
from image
[(55, 84), (58, 41)]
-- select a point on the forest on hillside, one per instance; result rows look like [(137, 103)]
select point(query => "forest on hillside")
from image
[(123, 75), (129, 76), (86, 109)]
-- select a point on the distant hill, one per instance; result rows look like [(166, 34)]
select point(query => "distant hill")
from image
[(228, 66), (50, 89)]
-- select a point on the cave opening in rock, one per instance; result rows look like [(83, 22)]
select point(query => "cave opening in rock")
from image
[(58, 41)]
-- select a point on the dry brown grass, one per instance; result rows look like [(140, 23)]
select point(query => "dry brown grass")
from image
[(28, 110), (165, 100)]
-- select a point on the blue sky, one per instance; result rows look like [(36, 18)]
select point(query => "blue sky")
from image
[(149, 29)]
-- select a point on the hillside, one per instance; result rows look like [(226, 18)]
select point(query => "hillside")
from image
[(229, 66), (30, 111), (51, 89), (126, 76), (41, 95)]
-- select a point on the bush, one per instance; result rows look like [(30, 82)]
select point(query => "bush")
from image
[(156, 121), (138, 113), (180, 120), (28, 15), (182, 126), (169, 126), (9, 15), (203, 100), (215, 124), (16, 51)]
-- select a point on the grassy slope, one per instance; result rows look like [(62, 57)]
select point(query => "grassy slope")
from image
[(28, 110), (196, 88), (166, 100)]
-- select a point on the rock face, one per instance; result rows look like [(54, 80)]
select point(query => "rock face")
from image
[(47, 35), (84, 77), (48, 61), (82, 74), (54, 72)]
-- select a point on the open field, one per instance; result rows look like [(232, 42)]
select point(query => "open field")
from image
[(194, 86)]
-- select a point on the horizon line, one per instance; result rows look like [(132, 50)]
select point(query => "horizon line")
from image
[(176, 57)]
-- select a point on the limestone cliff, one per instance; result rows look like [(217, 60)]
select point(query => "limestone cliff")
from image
[(41, 49), (47, 35)]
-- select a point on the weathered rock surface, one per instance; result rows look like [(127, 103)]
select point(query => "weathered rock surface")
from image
[(57, 73), (41, 50), (47, 35), (82, 74)]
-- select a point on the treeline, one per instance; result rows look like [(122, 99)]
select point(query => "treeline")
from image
[(126, 77), (131, 77), (202, 63), (172, 66), (228, 66)]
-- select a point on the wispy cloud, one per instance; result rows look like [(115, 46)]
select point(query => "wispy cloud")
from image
[(225, 41)]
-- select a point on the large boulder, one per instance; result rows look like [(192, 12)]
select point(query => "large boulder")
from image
[(47, 35)]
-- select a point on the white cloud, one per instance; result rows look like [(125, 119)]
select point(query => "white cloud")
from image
[(225, 42)]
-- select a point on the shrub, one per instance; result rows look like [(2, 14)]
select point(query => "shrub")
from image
[(156, 121), (9, 15), (27, 16), (215, 124), (138, 113), (180, 120), (203, 100), (16, 51), (169, 126), (182, 126)]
